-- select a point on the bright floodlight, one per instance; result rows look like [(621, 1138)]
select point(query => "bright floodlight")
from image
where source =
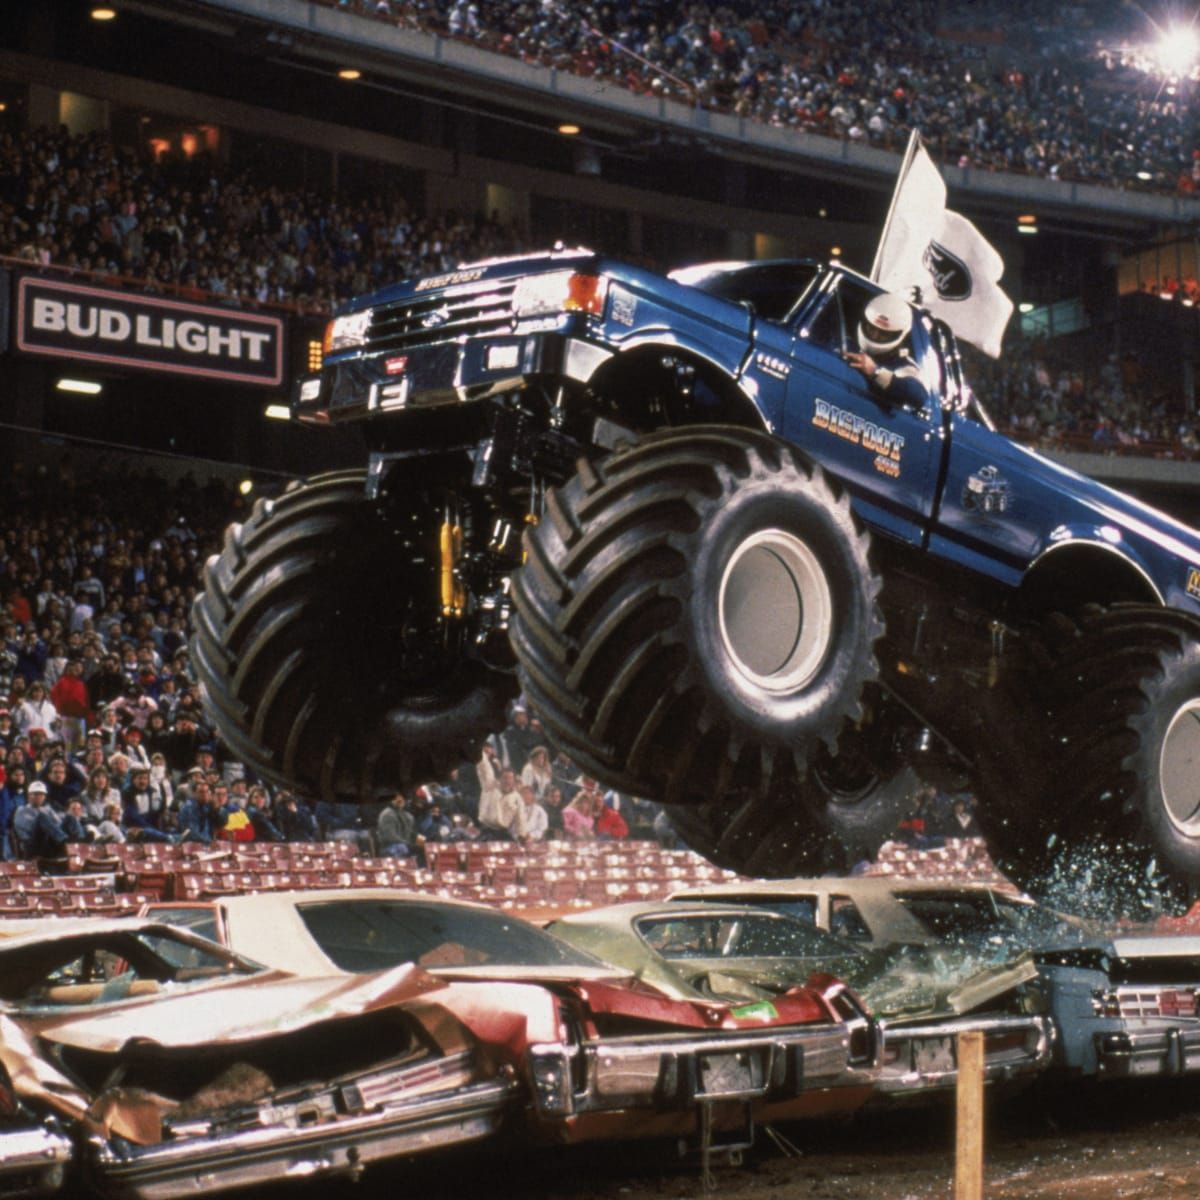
[(1178, 49)]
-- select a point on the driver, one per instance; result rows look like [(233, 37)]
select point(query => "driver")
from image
[(883, 357)]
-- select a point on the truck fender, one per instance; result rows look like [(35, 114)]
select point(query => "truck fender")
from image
[(739, 404), (1082, 564)]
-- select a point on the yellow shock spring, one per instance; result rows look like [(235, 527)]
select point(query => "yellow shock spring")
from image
[(454, 595)]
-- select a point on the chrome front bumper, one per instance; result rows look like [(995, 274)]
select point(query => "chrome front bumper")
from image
[(919, 1057), (33, 1161), (675, 1073), (1161, 1049), (343, 1147)]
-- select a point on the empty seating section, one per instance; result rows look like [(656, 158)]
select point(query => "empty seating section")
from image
[(538, 879)]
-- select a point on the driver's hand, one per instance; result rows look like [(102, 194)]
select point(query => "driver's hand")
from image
[(861, 362)]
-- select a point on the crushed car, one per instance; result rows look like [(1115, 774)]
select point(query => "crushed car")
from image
[(604, 1055), (180, 1068), (1124, 1003), (753, 955)]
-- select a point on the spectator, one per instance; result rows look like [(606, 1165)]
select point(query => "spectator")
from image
[(36, 711), (60, 788), (610, 825), (75, 824), (143, 803), (530, 823), (36, 827), (70, 697), (109, 830), (579, 818), (396, 829), (296, 820), (258, 808), (499, 806), (537, 772), (12, 797)]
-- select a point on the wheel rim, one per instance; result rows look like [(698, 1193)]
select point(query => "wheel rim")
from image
[(1179, 769), (776, 611)]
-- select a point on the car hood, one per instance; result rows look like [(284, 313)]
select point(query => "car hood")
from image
[(246, 1011)]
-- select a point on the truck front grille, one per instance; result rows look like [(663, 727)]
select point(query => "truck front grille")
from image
[(470, 311)]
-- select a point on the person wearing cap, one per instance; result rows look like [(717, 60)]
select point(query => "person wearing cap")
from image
[(882, 356), (36, 828)]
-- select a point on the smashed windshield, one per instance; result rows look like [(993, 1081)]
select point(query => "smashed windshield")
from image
[(760, 935), (106, 967), (372, 935)]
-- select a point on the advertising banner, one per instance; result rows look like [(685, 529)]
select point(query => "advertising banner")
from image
[(128, 329)]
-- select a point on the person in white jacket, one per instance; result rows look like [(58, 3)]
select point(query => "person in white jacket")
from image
[(36, 711)]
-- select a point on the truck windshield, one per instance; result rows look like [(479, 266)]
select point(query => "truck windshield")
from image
[(773, 289)]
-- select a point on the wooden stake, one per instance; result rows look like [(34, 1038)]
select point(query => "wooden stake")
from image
[(968, 1165)]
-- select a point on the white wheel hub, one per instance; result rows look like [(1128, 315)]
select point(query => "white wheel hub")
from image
[(776, 611), (1179, 769)]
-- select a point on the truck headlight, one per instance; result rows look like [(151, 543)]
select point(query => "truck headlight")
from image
[(559, 291), (344, 332)]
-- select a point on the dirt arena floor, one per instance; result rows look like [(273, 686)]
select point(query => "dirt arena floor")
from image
[(1114, 1143)]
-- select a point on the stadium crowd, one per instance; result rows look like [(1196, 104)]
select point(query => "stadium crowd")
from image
[(102, 735), (1062, 400), (85, 203), (1062, 91)]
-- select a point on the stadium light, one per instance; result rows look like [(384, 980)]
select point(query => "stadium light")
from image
[(81, 387), (104, 13), (1178, 48), (278, 412), (349, 73), (568, 130)]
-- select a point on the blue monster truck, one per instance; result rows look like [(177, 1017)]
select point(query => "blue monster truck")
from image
[(727, 575)]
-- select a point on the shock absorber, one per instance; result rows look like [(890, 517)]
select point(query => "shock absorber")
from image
[(450, 543)]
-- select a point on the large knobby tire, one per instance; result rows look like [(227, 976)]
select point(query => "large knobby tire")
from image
[(839, 813), (696, 612), (299, 650), (1119, 811)]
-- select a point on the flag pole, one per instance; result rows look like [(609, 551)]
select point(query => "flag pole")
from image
[(914, 142)]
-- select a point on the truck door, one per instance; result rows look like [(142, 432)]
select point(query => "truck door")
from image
[(886, 455)]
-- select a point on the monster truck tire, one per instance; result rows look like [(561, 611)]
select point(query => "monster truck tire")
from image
[(696, 611), (1129, 689), (297, 671), (803, 827)]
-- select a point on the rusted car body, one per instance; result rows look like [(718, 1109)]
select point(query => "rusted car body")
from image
[(180, 1068), (733, 950), (605, 1056)]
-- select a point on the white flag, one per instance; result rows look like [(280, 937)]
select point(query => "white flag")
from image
[(927, 245)]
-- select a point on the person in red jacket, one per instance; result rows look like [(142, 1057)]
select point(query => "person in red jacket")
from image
[(70, 697), (610, 825)]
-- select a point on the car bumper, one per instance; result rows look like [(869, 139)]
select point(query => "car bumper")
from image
[(677, 1073), (1132, 1053), (920, 1057), (33, 1161), (342, 1147)]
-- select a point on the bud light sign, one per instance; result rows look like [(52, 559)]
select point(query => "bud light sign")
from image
[(99, 325)]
